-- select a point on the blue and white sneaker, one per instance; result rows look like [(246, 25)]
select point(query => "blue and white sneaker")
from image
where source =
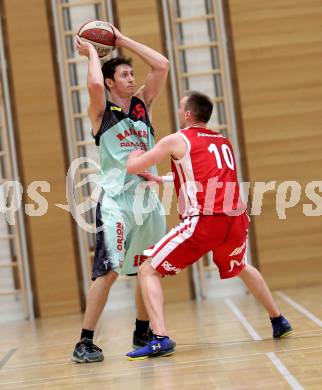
[(159, 346), (281, 327)]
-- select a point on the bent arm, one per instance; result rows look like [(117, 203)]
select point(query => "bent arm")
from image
[(138, 163), (171, 145), (158, 63)]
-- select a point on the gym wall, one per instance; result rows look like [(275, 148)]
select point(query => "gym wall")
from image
[(41, 151), (41, 143), (277, 50)]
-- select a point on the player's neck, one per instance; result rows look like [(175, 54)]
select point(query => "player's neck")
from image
[(123, 102), (197, 125)]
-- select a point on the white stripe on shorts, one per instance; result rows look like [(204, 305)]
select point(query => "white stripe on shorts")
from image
[(175, 238)]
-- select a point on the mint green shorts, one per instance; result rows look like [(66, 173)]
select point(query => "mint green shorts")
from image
[(127, 224)]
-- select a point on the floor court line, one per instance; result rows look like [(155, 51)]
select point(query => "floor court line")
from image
[(284, 371), (291, 380), (173, 364), (166, 365), (298, 334), (7, 356), (242, 319), (300, 308)]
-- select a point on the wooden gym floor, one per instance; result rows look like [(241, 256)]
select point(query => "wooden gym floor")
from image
[(221, 344)]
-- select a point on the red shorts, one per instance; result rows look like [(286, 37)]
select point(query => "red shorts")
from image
[(225, 236)]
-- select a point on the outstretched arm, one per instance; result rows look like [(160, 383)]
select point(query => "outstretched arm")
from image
[(95, 83), (158, 63), (171, 145), (149, 177)]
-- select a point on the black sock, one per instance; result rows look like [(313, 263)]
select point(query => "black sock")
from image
[(141, 327), (275, 319), (87, 333)]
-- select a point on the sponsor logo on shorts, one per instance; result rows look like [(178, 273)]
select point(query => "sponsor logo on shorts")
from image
[(238, 250), (235, 263), (170, 268), (119, 233)]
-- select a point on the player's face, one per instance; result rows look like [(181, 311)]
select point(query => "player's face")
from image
[(124, 81), (183, 115)]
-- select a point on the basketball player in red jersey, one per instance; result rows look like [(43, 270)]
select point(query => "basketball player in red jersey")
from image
[(214, 219)]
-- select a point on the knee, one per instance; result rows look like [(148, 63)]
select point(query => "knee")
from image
[(109, 278), (248, 271), (145, 269)]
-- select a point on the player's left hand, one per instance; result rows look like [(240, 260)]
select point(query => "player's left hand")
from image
[(119, 37)]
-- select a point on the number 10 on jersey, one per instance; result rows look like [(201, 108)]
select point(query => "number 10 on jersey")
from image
[(225, 152)]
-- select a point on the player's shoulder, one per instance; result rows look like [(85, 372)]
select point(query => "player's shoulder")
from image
[(171, 138), (138, 97)]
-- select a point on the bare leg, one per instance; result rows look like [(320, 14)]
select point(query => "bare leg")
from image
[(97, 297), (153, 296), (257, 286), (141, 312)]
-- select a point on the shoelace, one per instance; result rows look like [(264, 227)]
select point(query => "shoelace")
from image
[(90, 347)]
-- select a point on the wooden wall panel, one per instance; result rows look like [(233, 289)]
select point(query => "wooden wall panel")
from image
[(277, 47), (142, 21), (42, 155)]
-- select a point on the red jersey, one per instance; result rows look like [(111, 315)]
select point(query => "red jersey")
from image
[(205, 178)]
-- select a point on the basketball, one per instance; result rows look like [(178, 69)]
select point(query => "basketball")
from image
[(100, 34)]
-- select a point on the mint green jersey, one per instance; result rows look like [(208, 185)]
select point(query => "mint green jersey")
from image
[(129, 226), (119, 134)]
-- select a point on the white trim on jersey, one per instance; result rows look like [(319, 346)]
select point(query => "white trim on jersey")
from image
[(177, 236), (188, 145), (182, 191), (187, 181)]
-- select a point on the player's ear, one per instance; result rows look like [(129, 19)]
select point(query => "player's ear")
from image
[(109, 83), (187, 114)]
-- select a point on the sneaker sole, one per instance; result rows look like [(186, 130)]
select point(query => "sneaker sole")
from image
[(76, 360), (284, 335), (161, 354)]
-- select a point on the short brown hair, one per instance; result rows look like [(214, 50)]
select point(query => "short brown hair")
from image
[(200, 105), (109, 67)]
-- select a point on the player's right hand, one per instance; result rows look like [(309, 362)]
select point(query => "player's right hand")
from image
[(83, 47), (151, 178)]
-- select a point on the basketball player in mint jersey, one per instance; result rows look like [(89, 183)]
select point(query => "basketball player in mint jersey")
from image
[(214, 219), (119, 126)]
